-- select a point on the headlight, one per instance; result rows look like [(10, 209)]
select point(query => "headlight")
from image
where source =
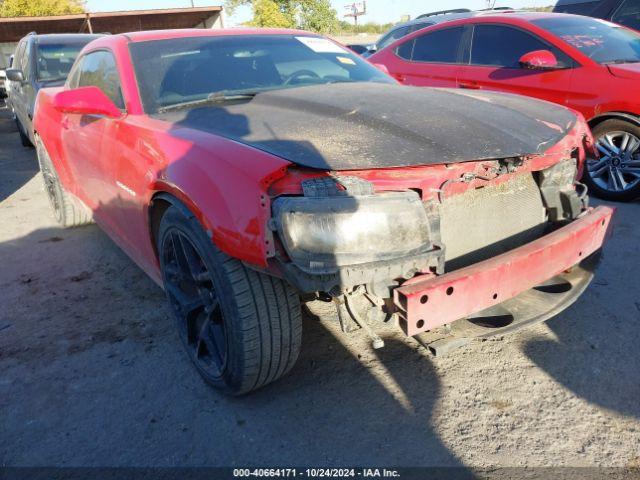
[(320, 234)]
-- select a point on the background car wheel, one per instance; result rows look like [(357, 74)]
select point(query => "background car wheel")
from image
[(66, 210), (24, 138), (616, 174), (241, 329)]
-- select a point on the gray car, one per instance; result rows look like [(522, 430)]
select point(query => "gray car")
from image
[(39, 61)]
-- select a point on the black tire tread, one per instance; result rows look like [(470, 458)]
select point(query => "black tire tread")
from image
[(267, 318), (24, 138)]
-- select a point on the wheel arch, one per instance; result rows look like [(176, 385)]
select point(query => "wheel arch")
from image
[(160, 202), (624, 116)]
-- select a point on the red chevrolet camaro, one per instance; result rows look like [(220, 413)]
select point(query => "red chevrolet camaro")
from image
[(587, 64), (247, 170)]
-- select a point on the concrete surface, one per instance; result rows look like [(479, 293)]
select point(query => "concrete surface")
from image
[(93, 374)]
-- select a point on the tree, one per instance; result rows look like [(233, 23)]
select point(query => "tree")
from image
[(313, 15), (39, 8), (267, 13), (318, 16)]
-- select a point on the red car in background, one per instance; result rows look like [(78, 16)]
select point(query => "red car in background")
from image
[(247, 170), (587, 64)]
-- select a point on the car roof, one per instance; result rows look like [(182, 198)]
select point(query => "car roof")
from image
[(447, 17), (49, 38), (208, 32), (498, 15), (562, 3)]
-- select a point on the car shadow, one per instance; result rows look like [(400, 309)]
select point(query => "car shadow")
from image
[(88, 350), (597, 361), (17, 163)]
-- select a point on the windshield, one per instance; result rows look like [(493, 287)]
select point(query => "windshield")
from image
[(55, 60), (183, 71), (602, 41)]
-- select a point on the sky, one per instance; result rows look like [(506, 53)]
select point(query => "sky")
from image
[(379, 11)]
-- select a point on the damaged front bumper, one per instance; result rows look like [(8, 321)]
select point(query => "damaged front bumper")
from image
[(427, 302)]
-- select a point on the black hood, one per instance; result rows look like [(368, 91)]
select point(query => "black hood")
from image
[(348, 126)]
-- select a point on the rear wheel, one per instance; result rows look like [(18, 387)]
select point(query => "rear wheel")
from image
[(67, 211), (24, 138), (240, 328), (616, 174)]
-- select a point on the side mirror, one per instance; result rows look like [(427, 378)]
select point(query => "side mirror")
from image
[(539, 60), (382, 67), (15, 75), (86, 101)]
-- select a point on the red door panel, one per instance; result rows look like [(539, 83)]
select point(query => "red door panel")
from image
[(552, 85), (427, 75), (82, 137)]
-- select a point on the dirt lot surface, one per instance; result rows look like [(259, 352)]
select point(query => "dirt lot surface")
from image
[(92, 372)]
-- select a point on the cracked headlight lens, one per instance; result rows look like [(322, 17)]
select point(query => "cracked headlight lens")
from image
[(323, 233)]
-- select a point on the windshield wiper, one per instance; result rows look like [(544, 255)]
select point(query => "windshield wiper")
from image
[(213, 98)]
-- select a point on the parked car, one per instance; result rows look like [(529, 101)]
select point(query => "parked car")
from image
[(3, 78), (40, 61), (586, 64), (624, 12), (395, 33), (7, 83), (244, 170)]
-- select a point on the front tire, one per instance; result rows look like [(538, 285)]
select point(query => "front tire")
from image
[(616, 174), (240, 328)]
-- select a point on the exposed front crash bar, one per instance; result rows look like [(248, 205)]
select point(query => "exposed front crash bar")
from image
[(427, 301)]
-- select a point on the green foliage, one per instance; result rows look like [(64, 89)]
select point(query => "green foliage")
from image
[(267, 13), (539, 9), (312, 15), (369, 27), (39, 8), (317, 16)]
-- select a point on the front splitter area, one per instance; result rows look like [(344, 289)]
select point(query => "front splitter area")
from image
[(528, 308)]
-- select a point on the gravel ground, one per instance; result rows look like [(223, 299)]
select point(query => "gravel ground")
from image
[(93, 374)]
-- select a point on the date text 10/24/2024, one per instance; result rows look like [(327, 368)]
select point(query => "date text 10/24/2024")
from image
[(316, 472)]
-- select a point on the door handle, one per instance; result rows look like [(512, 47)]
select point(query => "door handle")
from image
[(64, 123), (469, 85)]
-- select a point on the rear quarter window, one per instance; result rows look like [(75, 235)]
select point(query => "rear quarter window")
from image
[(440, 46)]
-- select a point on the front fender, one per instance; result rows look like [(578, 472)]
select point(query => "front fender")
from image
[(224, 184)]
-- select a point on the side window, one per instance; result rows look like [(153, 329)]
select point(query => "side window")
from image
[(25, 60), (498, 46), (74, 75), (628, 14), (405, 50), (441, 46), (98, 69), (17, 58)]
